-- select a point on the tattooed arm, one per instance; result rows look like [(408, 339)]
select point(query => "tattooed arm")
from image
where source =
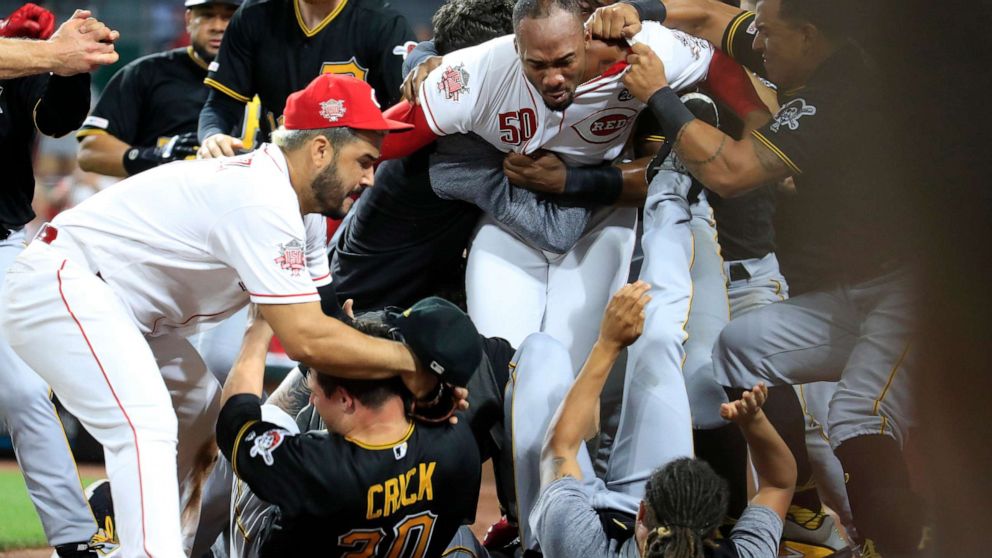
[(577, 418), (292, 394)]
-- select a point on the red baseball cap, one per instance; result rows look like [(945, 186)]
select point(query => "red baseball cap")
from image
[(332, 100)]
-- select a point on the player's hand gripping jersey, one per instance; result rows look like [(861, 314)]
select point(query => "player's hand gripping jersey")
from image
[(483, 89)]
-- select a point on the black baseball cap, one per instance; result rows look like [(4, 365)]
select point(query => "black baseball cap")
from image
[(442, 336), (193, 3)]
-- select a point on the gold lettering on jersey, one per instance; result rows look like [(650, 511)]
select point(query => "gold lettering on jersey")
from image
[(388, 497), (348, 68)]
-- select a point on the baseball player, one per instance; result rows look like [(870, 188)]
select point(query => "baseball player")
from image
[(376, 481), (147, 115), (685, 501), (856, 324), (361, 38), (54, 105), (558, 293), (101, 302)]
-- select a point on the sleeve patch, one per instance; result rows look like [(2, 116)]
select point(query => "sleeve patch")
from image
[(265, 443), (292, 257), (213, 67), (454, 82), (790, 113), (96, 122)]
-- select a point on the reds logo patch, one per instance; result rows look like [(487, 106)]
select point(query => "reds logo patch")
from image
[(606, 125), (454, 82), (333, 109), (790, 113), (266, 443), (292, 257), (404, 49)]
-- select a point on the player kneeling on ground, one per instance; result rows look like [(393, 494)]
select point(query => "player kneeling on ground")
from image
[(376, 481), (684, 502)]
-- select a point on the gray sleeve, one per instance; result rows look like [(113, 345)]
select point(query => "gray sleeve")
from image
[(757, 533), (566, 524), (466, 167), (419, 53)]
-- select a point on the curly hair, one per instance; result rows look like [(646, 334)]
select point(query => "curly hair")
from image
[(464, 23), (687, 501)]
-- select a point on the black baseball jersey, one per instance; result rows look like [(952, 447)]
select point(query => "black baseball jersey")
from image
[(151, 99), (269, 51), (339, 497), (846, 219), (55, 105), (738, 39), (402, 243)]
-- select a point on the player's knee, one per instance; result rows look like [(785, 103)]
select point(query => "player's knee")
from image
[(546, 355), (731, 353)]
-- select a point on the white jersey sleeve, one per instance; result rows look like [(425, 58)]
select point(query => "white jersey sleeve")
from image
[(317, 260), (686, 58), (267, 248), (450, 94)]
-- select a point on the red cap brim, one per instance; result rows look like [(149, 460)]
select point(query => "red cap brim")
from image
[(382, 125)]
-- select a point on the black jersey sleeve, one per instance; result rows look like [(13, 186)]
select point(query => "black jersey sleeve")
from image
[(387, 49), (738, 43), (278, 465), (800, 131), (119, 108), (231, 72), (62, 107)]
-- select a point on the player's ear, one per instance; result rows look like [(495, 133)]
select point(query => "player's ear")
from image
[(321, 151), (189, 20)]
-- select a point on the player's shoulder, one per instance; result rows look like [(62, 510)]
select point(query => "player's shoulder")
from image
[(374, 9), (488, 57), (262, 12), (663, 39)]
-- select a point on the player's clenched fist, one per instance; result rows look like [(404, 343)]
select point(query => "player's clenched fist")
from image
[(646, 74), (220, 145), (82, 44), (623, 322), (747, 407), (619, 21), (541, 171)]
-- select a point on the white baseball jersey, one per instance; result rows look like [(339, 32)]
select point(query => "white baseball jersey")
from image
[(187, 244), (483, 89)]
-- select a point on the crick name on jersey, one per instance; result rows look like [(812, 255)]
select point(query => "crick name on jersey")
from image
[(386, 498)]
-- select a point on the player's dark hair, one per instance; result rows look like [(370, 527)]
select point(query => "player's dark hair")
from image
[(537, 9), (687, 501), (464, 23), (833, 19), (370, 393)]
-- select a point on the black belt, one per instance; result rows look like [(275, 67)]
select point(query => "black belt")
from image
[(738, 272)]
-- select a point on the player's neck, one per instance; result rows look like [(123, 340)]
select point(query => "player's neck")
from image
[(300, 179), (386, 425), (314, 11)]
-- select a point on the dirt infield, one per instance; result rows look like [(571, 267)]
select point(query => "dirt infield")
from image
[(487, 514)]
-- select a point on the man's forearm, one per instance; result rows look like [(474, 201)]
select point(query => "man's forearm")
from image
[(248, 372), (773, 461), (24, 57), (578, 417), (707, 19), (220, 115), (103, 154)]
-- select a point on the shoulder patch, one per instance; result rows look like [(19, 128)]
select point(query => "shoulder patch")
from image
[(790, 113), (292, 257), (267, 442), (454, 82)]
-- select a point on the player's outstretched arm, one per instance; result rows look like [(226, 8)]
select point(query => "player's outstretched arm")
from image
[(577, 419), (722, 164), (248, 370), (329, 345), (80, 45), (707, 19), (773, 461)]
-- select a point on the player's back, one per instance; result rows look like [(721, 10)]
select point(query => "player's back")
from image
[(403, 499)]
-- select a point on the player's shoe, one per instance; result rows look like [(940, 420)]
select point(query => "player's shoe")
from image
[(105, 541), (501, 534), (809, 534)]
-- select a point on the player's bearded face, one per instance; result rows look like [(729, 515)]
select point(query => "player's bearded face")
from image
[(206, 25), (781, 45), (331, 192), (552, 51)]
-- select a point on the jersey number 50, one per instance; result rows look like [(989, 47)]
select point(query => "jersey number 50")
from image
[(411, 537), (516, 127)]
